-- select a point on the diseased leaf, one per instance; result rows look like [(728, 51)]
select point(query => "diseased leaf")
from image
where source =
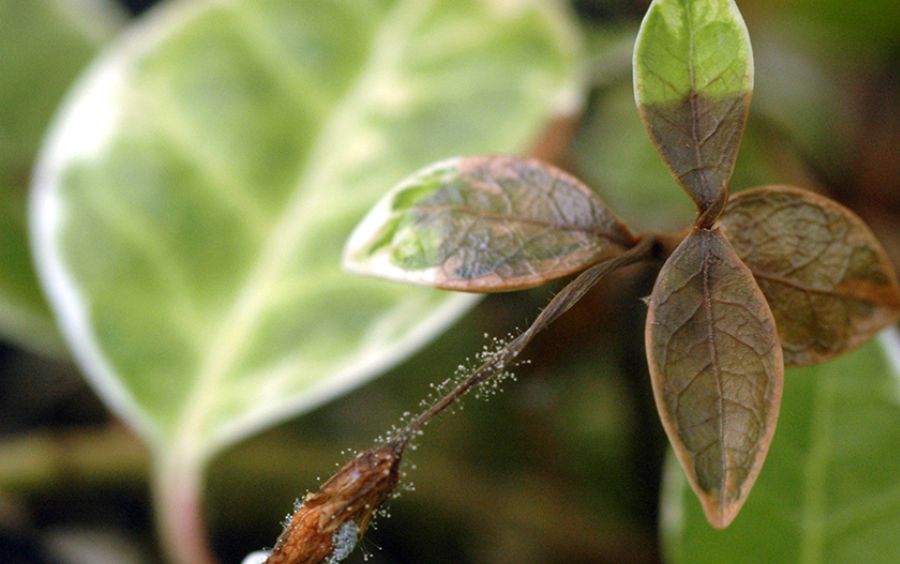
[(194, 201), (693, 76), (716, 370), (829, 493), (485, 224), (610, 153), (828, 281), (43, 45)]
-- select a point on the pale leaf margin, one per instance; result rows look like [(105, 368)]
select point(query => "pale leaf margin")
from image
[(82, 128)]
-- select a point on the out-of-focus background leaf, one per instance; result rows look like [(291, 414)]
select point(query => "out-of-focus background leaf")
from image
[(43, 45), (193, 203), (829, 490), (565, 465)]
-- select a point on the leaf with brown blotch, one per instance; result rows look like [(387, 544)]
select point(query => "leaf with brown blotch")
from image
[(827, 279), (716, 368), (485, 224), (693, 76)]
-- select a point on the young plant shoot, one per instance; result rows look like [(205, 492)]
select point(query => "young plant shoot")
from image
[(773, 276)]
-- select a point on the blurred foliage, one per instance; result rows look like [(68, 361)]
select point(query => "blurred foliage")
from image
[(565, 465), (231, 150), (44, 44)]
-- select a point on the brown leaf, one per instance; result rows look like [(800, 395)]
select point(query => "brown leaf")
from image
[(825, 276), (716, 368), (698, 139)]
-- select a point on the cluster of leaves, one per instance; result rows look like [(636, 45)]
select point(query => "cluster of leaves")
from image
[(773, 276), (192, 201)]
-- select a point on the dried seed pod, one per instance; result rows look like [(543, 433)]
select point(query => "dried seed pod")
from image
[(327, 524)]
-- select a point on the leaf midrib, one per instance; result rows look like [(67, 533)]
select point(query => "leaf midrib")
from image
[(714, 358), (244, 313), (695, 112), (815, 474), (486, 215)]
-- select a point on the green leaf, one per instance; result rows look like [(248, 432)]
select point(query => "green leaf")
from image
[(829, 491), (716, 368), (44, 43), (827, 279), (485, 224), (194, 202), (693, 76)]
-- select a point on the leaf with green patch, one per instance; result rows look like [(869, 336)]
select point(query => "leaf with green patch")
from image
[(485, 224), (610, 152), (828, 281), (193, 203), (716, 369), (829, 493), (44, 43), (693, 77)]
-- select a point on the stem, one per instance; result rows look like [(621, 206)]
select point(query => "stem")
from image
[(178, 491), (561, 303), (308, 534)]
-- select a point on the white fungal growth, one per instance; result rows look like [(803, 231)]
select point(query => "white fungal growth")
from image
[(343, 542), (258, 557), (496, 354)]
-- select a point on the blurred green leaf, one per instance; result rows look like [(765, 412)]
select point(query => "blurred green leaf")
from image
[(828, 491), (485, 224), (693, 76), (43, 44), (193, 205)]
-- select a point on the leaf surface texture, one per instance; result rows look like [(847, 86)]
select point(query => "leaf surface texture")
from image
[(486, 224), (716, 369), (828, 281)]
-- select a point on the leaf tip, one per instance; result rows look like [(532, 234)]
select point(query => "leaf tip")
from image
[(718, 514)]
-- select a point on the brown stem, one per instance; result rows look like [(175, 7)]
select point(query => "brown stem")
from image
[(707, 217), (561, 303), (316, 530)]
